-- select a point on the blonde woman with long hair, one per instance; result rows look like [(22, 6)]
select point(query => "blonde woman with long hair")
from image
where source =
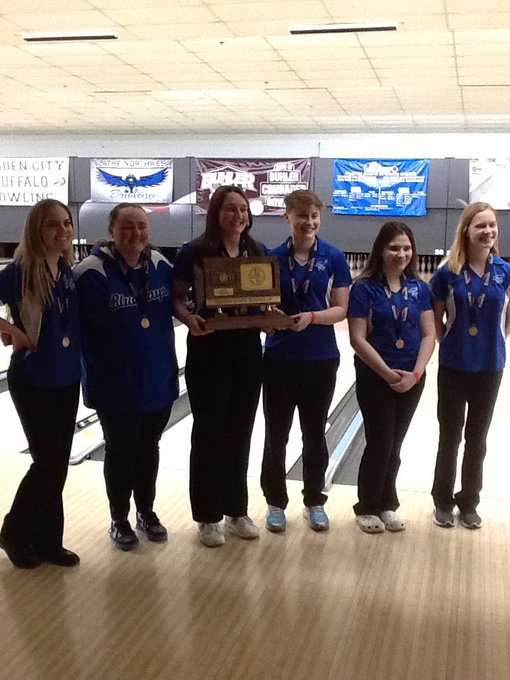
[(43, 378), (471, 290)]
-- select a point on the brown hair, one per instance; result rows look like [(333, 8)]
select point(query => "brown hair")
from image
[(210, 241), (374, 266), (114, 213), (302, 198)]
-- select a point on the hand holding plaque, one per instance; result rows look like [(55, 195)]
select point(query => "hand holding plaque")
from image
[(244, 292)]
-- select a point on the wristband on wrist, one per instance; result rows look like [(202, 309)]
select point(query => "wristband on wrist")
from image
[(312, 320), (417, 376)]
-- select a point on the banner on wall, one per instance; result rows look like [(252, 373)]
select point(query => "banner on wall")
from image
[(25, 181), (131, 180), (380, 187), (489, 181), (265, 181)]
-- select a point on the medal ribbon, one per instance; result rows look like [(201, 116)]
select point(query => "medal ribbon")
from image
[(475, 304), (62, 296), (302, 289), (140, 293), (399, 314)]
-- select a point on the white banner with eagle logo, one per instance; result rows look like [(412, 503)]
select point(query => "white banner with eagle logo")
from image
[(132, 180)]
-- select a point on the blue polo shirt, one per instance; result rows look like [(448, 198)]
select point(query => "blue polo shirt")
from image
[(458, 349), (126, 367), (316, 342), (368, 300), (52, 364)]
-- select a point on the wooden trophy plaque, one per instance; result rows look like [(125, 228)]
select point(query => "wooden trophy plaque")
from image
[(236, 287)]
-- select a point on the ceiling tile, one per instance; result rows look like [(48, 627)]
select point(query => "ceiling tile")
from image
[(298, 10)]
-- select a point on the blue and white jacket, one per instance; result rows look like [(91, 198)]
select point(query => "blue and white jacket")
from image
[(126, 366)]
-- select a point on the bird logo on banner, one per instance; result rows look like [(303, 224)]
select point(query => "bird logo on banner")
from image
[(131, 182)]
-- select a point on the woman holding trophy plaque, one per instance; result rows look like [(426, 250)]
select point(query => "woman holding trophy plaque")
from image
[(300, 364), (223, 376)]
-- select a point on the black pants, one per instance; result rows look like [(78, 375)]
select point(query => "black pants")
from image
[(386, 417), (309, 386), (223, 375), (131, 459), (456, 389), (48, 417)]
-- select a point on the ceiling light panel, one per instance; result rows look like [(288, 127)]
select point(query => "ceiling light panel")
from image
[(343, 27)]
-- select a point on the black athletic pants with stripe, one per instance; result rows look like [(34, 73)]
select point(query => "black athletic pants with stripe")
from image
[(48, 416)]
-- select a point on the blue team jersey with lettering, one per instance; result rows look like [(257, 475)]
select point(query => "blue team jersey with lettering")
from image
[(125, 366), (369, 300), (486, 350), (52, 364), (330, 270)]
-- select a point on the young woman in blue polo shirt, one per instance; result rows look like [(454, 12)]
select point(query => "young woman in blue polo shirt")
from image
[(300, 364), (130, 369), (391, 324), (44, 380), (472, 290)]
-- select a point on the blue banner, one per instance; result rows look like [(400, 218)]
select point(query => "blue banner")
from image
[(380, 187)]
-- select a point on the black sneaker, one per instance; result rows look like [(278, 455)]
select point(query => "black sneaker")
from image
[(122, 535), (23, 557), (470, 519), (149, 524), (443, 518), (61, 557)]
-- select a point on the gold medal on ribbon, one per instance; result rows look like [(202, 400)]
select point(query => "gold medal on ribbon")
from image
[(145, 323), (399, 343), (473, 330), (66, 341)]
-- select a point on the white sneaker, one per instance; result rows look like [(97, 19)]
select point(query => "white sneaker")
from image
[(242, 527), (211, 534), (392, 520)]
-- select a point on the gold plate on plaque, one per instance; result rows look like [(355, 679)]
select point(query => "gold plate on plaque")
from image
[(223, 292), (256, 276)]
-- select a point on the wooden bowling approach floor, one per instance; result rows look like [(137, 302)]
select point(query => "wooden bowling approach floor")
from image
[(425, 604)]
